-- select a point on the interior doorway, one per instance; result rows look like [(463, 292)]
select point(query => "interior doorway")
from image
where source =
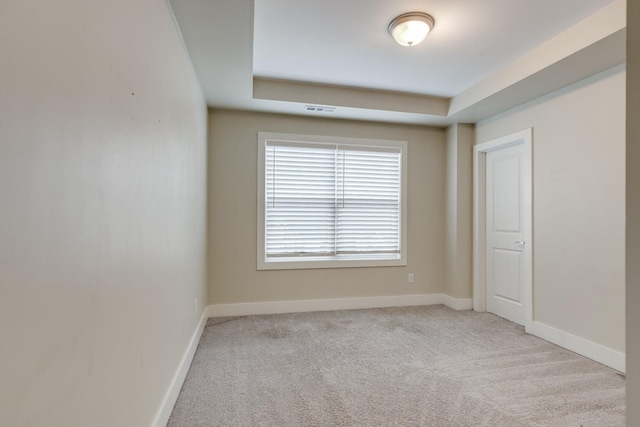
[(503, 246)]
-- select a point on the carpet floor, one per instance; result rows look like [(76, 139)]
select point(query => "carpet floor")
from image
[(409, 366)]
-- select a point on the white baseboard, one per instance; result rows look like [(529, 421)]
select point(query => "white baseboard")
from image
[(171, 395), (586, 348), (299, 306), (458, 303)]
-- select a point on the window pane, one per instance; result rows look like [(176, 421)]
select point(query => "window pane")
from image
[(300, 201), (368, 202)]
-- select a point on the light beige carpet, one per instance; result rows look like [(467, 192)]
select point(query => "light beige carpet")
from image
[(412, 366)]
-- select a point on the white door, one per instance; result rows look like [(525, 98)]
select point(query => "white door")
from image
[(508, 227)]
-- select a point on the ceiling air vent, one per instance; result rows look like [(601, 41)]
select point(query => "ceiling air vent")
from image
[(319, 109)]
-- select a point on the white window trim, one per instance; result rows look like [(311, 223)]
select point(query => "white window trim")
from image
[(310, 263)]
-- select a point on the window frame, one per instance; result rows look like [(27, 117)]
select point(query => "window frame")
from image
[(340, 261)]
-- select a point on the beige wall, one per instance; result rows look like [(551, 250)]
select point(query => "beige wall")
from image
[(459, 214), (633, 213), (233, 277), (578, 205), (102, 210)]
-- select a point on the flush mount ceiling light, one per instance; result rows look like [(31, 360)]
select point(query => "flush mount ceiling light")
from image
[(411, 28)]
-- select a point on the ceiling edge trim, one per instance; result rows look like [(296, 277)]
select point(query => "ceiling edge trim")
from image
[(339, 96), (571, 70)]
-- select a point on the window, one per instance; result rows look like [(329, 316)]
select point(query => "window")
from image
[(327, 202)]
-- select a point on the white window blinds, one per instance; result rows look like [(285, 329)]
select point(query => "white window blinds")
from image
[(332, 200)]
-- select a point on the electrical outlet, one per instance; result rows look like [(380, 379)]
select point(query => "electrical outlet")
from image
[(410, 278)]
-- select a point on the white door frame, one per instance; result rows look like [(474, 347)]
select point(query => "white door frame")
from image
[(479, 221)]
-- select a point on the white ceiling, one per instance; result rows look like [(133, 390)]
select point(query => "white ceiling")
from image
[(345, 42), (482, 57)]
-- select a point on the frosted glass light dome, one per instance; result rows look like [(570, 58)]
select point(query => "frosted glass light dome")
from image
[(411, 28)]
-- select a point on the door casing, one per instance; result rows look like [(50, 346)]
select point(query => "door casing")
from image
[(479, 219)]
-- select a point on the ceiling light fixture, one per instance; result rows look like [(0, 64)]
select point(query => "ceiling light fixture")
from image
[(411, 28)]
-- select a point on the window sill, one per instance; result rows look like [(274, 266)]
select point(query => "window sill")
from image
[(311, 263)]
